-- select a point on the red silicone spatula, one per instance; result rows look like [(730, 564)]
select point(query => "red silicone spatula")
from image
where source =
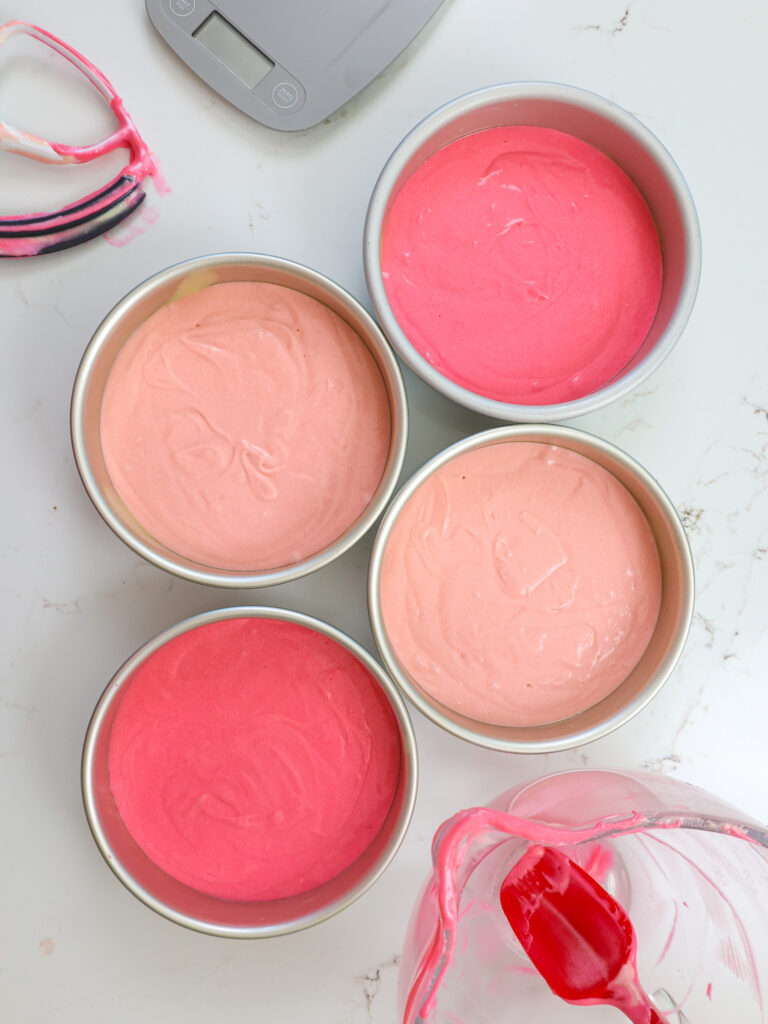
[(577, 936)]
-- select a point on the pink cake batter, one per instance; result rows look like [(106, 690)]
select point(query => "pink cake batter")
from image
[(523, 264), (520, 584), (253, 759), (245, 426)]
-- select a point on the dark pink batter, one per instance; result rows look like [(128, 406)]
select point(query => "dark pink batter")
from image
[(253, 759), (523, 264)]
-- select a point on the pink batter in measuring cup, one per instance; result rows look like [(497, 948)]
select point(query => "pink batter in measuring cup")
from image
[(690, 871)]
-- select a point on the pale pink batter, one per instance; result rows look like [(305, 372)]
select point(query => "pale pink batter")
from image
[(523, 264), (520, 584), (253, 759), (245, 426)]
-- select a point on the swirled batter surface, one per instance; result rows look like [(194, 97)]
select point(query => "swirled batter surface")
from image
[(245, 426), (520, 584), (253, 759), (523, 264)]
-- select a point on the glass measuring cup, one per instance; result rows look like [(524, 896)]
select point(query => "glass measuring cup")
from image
[(690, 871)]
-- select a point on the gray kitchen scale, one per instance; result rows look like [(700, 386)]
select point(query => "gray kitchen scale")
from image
[(289, 63)]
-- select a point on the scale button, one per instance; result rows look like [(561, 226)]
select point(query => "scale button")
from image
[(285, 95), (182, 7)]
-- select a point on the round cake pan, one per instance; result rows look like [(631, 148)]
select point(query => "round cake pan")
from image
[(234, 918), (665, 645), (162, 288), (623, 139)]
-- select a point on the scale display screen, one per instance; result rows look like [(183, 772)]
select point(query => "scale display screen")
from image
[(233, 50)]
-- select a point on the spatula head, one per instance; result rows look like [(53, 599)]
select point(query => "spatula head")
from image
[(576, 935)]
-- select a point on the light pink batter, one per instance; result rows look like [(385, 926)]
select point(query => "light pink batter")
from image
[(520, 584), (245, 426), (523, 264), (253, 759)]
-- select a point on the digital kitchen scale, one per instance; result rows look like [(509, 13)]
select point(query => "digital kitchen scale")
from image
[(289, 63)]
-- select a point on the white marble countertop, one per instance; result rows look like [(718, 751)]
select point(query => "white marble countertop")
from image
[(74, 945)]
